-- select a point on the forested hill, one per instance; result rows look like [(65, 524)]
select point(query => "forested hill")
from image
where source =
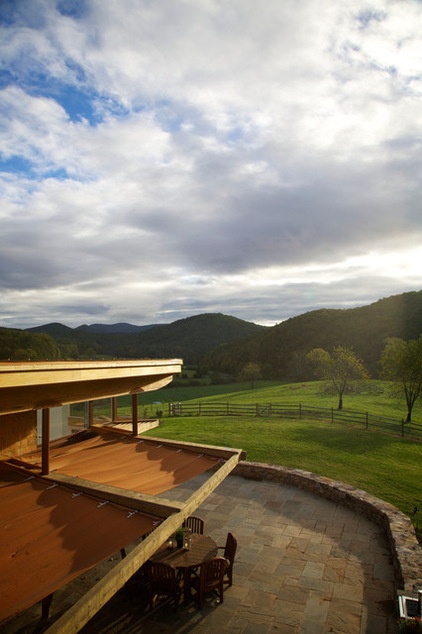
[(226, 344), (280, 350), (189, 339)]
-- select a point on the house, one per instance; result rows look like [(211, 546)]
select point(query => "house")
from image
[(67, 504)]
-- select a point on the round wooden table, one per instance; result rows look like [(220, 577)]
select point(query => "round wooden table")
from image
[(202, 548)]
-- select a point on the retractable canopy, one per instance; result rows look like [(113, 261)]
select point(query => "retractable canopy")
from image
[(135, 464), (50, 534)]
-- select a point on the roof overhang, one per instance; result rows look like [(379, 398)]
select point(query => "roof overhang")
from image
[(42, 384)]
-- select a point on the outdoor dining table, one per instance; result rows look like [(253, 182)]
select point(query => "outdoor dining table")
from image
[(201, 549)]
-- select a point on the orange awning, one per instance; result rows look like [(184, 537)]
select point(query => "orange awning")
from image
[(50, 535), (131, 463)]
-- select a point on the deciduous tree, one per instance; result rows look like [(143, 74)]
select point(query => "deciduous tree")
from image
[(341, 368), (401, 362), (251, 372)]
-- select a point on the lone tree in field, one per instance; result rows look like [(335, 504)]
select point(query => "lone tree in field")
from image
[(342, 367), (401, 362), (251, 372)]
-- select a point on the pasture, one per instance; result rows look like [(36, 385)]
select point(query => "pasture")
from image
[(385, 466)]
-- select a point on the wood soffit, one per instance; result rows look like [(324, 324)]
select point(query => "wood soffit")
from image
[(38, 385)]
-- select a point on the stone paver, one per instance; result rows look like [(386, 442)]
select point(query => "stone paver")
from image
[(304, 565)]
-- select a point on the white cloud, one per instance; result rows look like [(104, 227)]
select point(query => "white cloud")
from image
[(163, 159)]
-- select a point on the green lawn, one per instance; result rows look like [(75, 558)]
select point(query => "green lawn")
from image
[(385, 466), (375, 397)]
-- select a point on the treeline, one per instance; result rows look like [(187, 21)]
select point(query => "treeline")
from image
[(18, 345)]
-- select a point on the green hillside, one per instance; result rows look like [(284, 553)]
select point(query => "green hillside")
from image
[(189, 339), (281, 350), (19, 345), (226, 344)]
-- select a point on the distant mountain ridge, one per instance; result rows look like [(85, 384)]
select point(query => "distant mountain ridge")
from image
[(189, 338), (225, 344), (121, 327)]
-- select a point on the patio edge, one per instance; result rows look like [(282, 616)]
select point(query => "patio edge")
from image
[(405, 549)]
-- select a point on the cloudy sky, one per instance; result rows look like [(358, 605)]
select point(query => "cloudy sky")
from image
[(167, 158)]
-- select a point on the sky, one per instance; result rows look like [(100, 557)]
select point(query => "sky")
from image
[(161, 159)]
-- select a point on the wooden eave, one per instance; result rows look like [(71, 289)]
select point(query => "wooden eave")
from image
[(39, 385)]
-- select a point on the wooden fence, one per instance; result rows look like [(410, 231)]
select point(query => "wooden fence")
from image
[(364, 420)]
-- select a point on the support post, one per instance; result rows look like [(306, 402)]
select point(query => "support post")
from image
[(45, 448), (134, 414), (114, 409)]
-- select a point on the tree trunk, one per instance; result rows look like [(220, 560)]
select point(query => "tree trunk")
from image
[(340, 401)]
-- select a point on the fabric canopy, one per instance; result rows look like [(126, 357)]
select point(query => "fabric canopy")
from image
[(130, 463), (50, 535)]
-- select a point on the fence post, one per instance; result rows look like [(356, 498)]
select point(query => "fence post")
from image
[(367, 420), (227, 408), (300, 411), (199, 409), (257, 410), (332, 414)]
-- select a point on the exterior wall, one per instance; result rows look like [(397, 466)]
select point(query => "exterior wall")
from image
[(18, 434)]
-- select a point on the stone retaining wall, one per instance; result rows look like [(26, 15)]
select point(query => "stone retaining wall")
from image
[(405, 548)]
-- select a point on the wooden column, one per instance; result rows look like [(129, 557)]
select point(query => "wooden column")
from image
[(90, 413), (114, 408), (45, 446), (134, 414)]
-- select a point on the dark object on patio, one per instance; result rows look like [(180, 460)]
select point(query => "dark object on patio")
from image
[(209, 579), (229, 554), (194, 524), (163, 581)]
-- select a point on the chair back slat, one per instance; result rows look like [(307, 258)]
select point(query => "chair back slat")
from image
[(194, 524)]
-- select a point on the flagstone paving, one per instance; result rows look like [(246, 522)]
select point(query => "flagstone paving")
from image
[(304, 565)]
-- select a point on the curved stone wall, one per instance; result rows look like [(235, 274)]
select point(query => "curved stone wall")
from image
[(405, 548)]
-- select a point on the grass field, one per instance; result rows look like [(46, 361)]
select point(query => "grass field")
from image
[(374, 398), (385, 466)]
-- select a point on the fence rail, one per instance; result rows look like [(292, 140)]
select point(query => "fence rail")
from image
[(364, 420)]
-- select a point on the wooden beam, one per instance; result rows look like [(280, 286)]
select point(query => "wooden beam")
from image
[(27, 386), (84, 609), (210, 450), (149, 504), (45, 440)]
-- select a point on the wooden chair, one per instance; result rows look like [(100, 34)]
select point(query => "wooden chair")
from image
[(229, 554), (163, 581), (195, 524), (209, 579)]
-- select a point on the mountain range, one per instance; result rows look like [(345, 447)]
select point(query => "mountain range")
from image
[(224, 343)]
